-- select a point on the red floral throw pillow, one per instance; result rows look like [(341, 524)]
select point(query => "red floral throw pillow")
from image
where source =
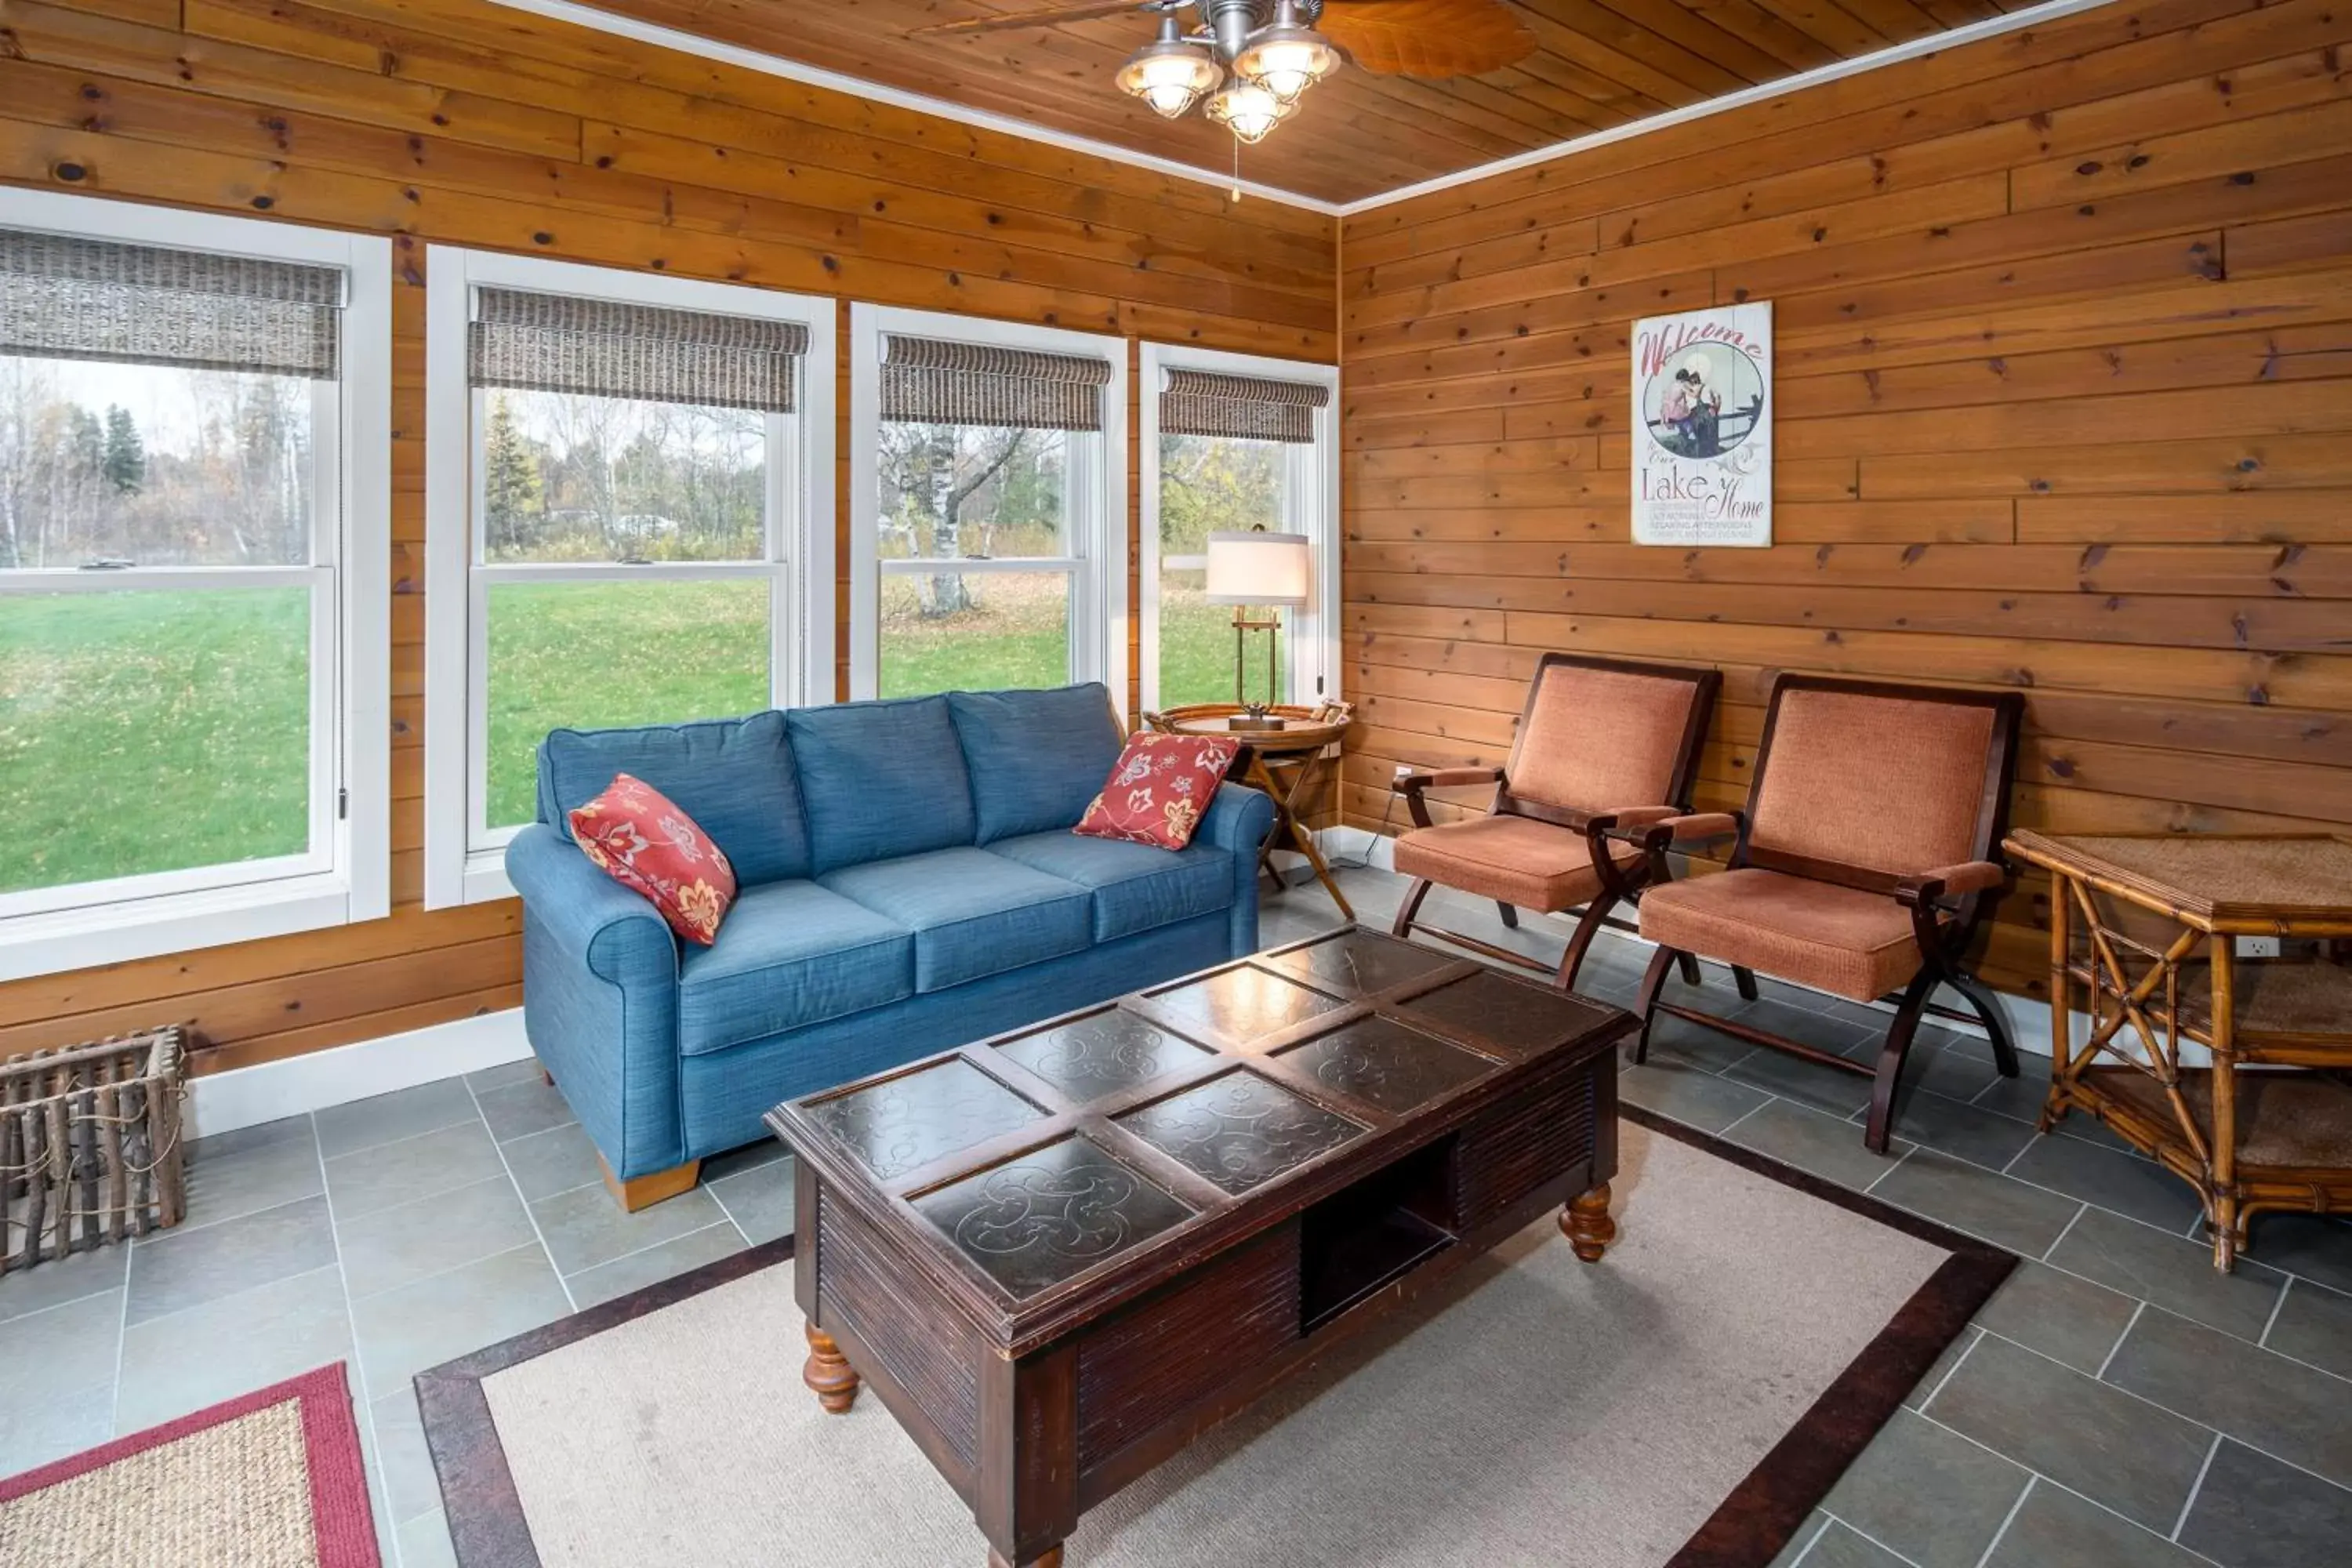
[(646, 844), (1160, 788)]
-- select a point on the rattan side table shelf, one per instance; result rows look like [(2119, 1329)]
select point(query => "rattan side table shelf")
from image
[(2268, 1126)]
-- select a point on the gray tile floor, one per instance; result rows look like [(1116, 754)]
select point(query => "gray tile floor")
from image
[(2117, 1404)]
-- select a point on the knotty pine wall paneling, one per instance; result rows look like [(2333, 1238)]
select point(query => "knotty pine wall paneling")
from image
[(2065, 369), (462, 122)]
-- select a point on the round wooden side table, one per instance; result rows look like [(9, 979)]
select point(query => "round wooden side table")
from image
[(1289, 765)]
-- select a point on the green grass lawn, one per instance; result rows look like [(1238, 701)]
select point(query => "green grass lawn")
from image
[(143, 730)]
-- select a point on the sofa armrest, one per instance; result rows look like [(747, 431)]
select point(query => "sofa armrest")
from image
[(617, 935), (1239, 819), (599, 1001)]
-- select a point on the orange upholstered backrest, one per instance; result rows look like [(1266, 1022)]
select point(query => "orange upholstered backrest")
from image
[(1595, 739), (1886, 783)]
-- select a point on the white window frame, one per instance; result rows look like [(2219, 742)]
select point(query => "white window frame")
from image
[(461, 866), (1310, 506), (345, 875), (1095, 556)]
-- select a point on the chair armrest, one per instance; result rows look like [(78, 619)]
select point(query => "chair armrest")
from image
[(1239, 819), (615, 934), (1690, 827), (1629, 816), (1950, 882), (1447, 778)]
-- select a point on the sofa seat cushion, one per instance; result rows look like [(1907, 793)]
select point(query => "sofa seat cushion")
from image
[(1839, 940), (973, 913), (790, 955), (1136, 886), (1517, 859)]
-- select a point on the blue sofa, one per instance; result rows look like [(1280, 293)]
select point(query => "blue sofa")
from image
[(909, 882)]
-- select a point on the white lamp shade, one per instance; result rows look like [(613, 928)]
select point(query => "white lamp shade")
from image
[(1257, 568)]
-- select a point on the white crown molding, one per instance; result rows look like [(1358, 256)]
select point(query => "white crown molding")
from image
[(623, 26), (619, 26), (1893, 54)]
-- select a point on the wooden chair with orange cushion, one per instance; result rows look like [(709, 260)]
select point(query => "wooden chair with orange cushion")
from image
[(1864, 864), (1602, 745)]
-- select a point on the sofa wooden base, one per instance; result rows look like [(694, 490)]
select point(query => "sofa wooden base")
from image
[(643, 1192)]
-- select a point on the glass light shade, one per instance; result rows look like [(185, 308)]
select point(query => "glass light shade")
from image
[(1255, 568), (1248, 111), (1285, 60), (1169, 73)]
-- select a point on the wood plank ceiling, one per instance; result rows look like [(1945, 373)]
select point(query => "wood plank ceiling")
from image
[(1597, 63)]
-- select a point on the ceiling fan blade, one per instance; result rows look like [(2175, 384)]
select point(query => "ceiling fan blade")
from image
[(1432, 39), (1043, 17)]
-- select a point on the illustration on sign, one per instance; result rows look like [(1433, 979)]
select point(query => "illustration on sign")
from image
[(1703, 428)]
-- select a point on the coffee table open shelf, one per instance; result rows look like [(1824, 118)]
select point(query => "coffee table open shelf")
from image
[(1060, 1253)]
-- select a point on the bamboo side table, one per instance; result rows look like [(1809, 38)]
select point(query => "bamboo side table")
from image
[(2250, 1132), (1289, 765)]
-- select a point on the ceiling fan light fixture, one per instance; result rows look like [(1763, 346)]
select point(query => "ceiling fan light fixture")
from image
[(1248, 111), (1170, 72), (1286, 56)]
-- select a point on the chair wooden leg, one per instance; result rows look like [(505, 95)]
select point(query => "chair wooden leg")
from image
[(1689, 962), (1579, 942), (643, 1192), (1746, 980), (1402, 926), (1510, 916), (1988, 1008), (1891, 1056), (1645, 1007)]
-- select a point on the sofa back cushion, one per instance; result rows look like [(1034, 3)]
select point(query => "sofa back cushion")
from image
[(733, 776), (1035, 757), (880, 780)]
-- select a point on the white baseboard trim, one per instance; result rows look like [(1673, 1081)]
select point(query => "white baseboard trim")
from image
[(247, 1096)]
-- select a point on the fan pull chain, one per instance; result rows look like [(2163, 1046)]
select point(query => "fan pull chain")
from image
[(1237, 171)]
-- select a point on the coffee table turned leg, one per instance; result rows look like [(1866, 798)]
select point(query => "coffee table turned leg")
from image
[(828, 1372), (1586, 1224), (1051, 1558)]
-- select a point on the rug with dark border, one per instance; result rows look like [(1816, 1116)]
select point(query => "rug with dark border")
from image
[(148, 1497), (1748, 1529)]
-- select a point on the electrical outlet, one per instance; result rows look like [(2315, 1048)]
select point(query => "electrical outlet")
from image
[(2258, 947), (1403, 771)]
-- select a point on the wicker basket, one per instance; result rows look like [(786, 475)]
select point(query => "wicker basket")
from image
[(90, 1145)]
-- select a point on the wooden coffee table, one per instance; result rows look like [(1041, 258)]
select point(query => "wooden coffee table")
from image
[(1059, 1255)]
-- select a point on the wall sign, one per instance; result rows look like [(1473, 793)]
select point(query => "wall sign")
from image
[(1703, 428)]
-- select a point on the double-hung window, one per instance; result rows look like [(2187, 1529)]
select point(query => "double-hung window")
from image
[(987, 505), (1233, 442), (194, 437), (628, 475)]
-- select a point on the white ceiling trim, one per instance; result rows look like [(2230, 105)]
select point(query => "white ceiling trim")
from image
[(1893, 54), (624, 27), (876, 92)]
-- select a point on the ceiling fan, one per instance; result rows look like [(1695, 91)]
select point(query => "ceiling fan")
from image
[(1248, 62)]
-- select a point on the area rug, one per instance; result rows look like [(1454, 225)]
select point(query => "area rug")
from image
[(269, 1479), (1684, 1402)]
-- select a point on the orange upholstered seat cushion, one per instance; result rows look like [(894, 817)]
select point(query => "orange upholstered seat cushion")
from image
[(1834, 938), (1517, 859)]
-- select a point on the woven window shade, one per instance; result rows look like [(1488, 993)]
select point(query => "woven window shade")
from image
[(928, 381), (62, 297), (558, 342), (1198, 403)]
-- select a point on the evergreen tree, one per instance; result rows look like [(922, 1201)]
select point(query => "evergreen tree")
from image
[(510, 481), (125, 464)]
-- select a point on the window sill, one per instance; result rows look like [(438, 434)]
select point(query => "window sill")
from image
[(53, 942)]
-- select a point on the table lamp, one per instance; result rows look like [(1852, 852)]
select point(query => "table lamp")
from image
[(1256, 568)]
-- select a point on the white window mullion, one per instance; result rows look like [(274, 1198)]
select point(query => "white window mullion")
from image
[(465, 850), (340, 873)]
